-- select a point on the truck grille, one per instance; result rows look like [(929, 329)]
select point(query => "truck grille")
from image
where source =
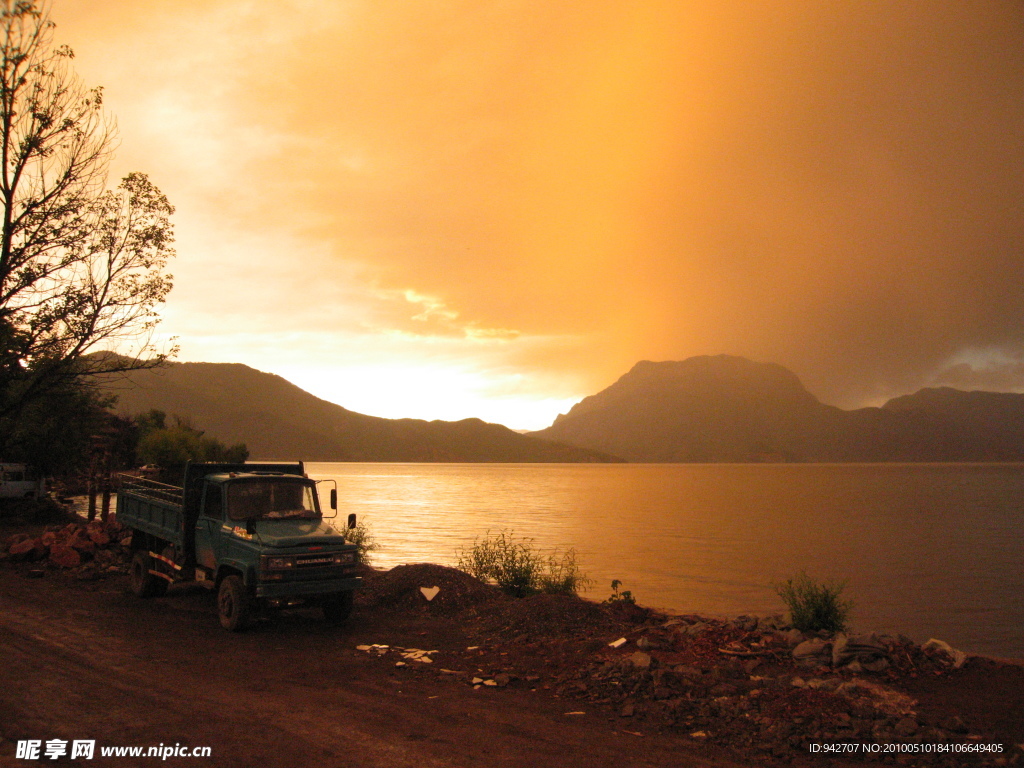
[(310, 560)]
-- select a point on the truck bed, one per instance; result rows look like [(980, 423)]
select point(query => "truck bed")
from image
[(153, 508)]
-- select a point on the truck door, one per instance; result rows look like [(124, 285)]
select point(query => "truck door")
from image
[(211, 516)]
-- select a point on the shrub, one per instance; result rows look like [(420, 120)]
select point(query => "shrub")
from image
[(625, 596), (363, 539), (519, 569), (563, 575), (813, 606)]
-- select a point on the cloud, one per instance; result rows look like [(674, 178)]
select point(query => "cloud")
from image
[(576, 186)]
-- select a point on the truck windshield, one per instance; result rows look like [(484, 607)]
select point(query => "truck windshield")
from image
[(270, 500)]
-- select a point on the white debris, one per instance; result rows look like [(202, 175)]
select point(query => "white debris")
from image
[(618, 643), (430, 592), (416, 654), (959, 657)]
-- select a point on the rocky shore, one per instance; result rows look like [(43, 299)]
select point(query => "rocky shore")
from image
[(751, 687)]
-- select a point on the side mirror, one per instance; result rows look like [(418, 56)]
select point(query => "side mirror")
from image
[(334, 498), (352, 520)]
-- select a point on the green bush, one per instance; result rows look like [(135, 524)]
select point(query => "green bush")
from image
[(363, 539), (519, 568), (625, 596), (813, 606)]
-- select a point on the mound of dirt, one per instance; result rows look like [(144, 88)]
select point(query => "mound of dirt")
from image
[(402, 586), (550, 616)]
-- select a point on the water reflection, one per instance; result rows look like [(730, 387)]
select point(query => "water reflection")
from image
[(929, 550)]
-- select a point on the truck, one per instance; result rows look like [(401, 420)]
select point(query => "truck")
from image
[(20, 481), (253, 532)]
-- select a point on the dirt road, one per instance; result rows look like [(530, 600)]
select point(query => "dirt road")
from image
[(90, 661)]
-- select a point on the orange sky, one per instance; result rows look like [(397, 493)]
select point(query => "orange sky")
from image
[(495, 207)]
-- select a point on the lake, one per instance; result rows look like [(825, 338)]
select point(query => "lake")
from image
[(929, 550)]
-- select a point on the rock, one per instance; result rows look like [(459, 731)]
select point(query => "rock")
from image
[(99, 537), (794, 637), (641, 660), (87, 572), (22, 550), (954, 724), (627, 709), (64, 556), (863, 648), (688, 672), (906, 726), (502, 680), (746, 623), (813, 652), (958, 658), (644, 643), (878, 665), (82, 543)]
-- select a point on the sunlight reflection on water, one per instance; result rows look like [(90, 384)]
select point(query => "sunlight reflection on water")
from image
[(929, 550)]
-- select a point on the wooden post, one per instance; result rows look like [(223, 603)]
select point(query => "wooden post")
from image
[(90, 486)]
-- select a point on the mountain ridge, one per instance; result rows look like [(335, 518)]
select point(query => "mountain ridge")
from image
[(278, 420), (726, 408)]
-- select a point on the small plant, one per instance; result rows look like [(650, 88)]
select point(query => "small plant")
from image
[(563, 575), (624, 596), (363, 538), (815, 607), (519, 569)]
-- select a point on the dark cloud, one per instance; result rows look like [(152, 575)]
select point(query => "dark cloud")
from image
[(832, 186)]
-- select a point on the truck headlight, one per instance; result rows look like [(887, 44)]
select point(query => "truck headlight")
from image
[(278, 563), (340, 558)]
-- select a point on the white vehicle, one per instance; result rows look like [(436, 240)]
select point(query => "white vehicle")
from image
[(20, 481)]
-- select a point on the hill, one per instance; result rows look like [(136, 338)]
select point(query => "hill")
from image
[(724, 408), (278, 420)]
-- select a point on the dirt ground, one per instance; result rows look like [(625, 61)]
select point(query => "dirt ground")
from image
[(531, 682)]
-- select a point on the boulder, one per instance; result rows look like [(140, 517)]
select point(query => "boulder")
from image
[(98, 537), (813, 652), (22, 550), (65, 556), (955, 657), (865, 649), (641, 660)]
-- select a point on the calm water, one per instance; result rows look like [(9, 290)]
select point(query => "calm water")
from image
[(930, 550)]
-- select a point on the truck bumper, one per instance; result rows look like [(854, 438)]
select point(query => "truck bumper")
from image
[(306, 588)]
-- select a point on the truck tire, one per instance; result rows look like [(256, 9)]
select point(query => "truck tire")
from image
[(234, 604), (337, 608), (144, 583)]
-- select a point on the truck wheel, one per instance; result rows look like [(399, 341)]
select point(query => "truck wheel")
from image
[(144, 583), (337, 609), (233, 604)]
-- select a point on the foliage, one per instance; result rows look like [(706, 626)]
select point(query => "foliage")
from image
[(81, 267), (620, 597), (170, 447), (814, 607), (363, 538), (519, 569)]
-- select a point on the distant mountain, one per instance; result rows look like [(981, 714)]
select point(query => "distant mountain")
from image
[(724, 408), (277, 420)]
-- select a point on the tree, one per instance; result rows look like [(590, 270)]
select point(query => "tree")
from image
[(169, 447), (81, 267)]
